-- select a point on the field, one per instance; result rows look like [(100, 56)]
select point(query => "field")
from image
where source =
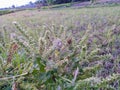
[(65, 49)]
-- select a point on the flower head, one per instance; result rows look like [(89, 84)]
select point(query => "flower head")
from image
[(57, 43)]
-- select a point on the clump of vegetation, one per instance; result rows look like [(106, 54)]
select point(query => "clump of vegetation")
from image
[(2, 12), (79, 53)]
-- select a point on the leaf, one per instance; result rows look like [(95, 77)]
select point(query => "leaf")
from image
[(40, 64)]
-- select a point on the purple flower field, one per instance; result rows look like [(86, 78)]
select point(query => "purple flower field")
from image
[(65, 49)]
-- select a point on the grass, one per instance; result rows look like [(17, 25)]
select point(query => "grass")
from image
[(2, 12), (70, 49)]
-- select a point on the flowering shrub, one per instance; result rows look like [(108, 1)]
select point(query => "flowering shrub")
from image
[(81, 54)]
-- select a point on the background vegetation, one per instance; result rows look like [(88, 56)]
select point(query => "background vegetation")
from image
[(59, 1), (2, 12)]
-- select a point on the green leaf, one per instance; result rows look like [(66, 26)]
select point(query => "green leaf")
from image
[(40, 64)]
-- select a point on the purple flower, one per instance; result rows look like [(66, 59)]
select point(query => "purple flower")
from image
[(57, 43), (12, 36), (75, 75)]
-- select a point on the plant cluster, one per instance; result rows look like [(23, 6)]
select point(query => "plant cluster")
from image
[(83, 56)]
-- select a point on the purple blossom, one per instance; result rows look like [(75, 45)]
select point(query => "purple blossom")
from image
[(57, 43), (12, 36), (75, 75)]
